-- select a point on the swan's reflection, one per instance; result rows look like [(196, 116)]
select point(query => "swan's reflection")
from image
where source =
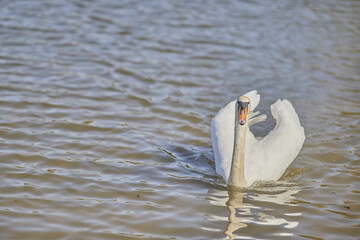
[(235, 202), (248, 207)]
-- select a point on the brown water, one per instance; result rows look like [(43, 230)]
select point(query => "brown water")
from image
[(106, 109)]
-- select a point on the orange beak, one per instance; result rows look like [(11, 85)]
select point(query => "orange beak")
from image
[(242, 115)]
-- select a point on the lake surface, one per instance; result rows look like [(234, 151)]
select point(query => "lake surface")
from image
[(105, 112)]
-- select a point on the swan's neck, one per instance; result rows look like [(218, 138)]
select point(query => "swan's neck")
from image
[(237, 177)]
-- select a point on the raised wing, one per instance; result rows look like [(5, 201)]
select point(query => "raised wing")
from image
[(268, 158), (254, 99), (222, 138)]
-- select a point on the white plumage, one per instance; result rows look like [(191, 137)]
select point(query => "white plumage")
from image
[(266, 158)]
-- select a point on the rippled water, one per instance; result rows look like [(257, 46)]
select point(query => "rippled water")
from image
[(106, 109)]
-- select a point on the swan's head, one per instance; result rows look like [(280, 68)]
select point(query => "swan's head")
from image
[(243, 106)]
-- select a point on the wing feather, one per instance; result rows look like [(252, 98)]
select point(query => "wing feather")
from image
[(222, 138), (254, 99), (279, 148)]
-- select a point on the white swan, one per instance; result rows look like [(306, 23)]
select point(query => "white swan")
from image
[(240, 158)]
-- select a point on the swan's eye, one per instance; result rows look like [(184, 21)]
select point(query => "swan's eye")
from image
[(243, 105)]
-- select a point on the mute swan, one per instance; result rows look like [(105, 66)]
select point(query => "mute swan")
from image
[(240, 158)]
